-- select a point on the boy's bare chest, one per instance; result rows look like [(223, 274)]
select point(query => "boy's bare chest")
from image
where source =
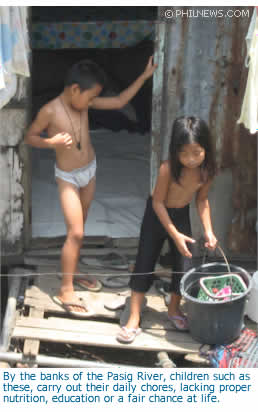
[(74, 123)]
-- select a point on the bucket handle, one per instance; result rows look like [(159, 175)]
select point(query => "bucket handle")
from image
[(227, 264), (223, 255)]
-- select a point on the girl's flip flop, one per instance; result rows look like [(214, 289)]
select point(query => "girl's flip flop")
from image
[(127, 335), (177, 325)]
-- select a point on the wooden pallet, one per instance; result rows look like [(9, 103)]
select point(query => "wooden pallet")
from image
[(48, 322)]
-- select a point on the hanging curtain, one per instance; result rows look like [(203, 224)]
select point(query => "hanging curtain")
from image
[(13, 52), (249, 111)]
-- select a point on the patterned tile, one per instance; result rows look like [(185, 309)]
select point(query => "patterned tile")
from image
[(90, 35)]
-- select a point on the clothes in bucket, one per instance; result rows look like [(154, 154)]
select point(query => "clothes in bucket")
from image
[(221, 287)]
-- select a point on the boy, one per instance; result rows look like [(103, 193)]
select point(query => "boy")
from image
[(66, 120)]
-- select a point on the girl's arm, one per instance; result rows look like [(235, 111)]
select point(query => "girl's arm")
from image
[(203, 207), (158, 202)]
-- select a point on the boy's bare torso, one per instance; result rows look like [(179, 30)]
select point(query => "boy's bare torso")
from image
[(73, 122), (180, 195)]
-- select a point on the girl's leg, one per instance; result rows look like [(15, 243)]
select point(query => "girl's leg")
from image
[(135, 309), (151, 240), (73, 214), (180, 265), (177, 267)]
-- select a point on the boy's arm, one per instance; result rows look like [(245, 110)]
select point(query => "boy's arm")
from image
[(203, 207), (40, 124), (117, 102)]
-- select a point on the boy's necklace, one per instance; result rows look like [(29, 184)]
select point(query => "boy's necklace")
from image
[(78, 142)]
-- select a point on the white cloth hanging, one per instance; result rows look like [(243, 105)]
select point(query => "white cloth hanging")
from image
[(13, 51), (249, 111), (249, 36)]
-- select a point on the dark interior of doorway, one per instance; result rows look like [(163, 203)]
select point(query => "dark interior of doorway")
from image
[(121, 138)]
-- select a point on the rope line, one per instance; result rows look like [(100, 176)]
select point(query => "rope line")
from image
[(103, 274), (119, 274)]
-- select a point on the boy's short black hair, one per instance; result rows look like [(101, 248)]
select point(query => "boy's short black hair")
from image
[(86, 74)]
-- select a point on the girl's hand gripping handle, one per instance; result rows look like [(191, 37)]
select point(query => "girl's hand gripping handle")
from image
[(211, 241)]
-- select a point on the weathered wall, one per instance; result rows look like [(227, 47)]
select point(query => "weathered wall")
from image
[(205, 76), (12, 122)]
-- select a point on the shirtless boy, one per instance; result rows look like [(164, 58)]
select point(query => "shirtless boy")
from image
[(65, 119)]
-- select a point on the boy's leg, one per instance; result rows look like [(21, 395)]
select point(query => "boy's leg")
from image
[(73, 214), (86, 197)]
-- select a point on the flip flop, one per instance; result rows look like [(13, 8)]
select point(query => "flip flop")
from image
[(115, 304), (118, 302), (114, 260), (116, 282), (127, 335), (67, 307), (96, 286), (174, 320)]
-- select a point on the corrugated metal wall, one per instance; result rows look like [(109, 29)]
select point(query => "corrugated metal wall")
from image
[(205, 76)]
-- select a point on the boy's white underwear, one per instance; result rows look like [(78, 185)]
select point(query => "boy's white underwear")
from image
[(78, 177)]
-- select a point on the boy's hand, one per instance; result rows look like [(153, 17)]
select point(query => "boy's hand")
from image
[(150, 68), (181, 244), (211, 241), (62, 139)]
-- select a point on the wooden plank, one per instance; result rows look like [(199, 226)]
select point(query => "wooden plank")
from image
[(196, 358), (157, 103), (101, 251), (41, 296), (40, 243), (102, 334), (31, 346), (53, 265), (85, 325), (126, 242), (54, 269)]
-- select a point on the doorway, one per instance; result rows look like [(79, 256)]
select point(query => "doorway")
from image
[(120, 40)]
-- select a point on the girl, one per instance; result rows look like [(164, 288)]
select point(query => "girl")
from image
[(190, 169)]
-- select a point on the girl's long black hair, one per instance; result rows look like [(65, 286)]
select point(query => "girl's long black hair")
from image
[(187, 130)]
